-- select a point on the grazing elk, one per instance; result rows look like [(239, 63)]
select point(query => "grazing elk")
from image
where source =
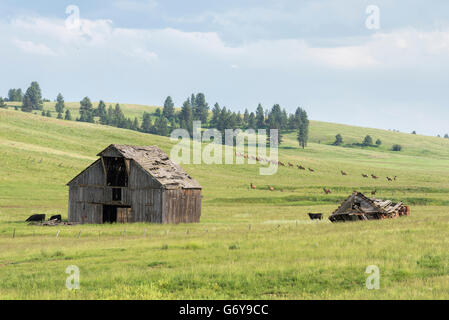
[(290, 165), (364, 175), (327, 191), (282, 164), (253, 186), (374, 177), (373, 193), (343, 173), (311, 170), (301, 167)]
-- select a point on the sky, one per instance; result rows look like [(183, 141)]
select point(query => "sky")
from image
[(338, 59)]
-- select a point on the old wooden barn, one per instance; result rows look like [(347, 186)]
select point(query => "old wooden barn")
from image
[(134, 184)]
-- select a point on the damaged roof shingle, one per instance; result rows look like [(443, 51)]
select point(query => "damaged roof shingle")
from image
[(157, 163)]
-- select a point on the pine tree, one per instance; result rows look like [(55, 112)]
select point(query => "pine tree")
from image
[(48, 114), (161, 126), (110, 116), (33, 98), (186, 117), (135, 126), (215, 116), (68, 115), (245, 118), (200, 109), (146, 123), (169, 108), (101, 112), (59, 107), (303, 129), (252, 121), (260, 117), (119, 119), (86, 110)]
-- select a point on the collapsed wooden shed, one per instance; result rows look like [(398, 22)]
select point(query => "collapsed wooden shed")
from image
[(359, 207), (134, 184)]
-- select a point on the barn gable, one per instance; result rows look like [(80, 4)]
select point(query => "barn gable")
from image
[(154, 162)]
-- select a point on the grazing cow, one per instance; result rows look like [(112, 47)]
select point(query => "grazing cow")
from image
[(301, 167), (374, 177), (364, 175), (316, 216), (389, 179), (327, 191), (311, 170), (270, 188), (373, 193), (56, 217), (282, 164), (343, 173), (395, 177), (253, 186), (36, 217), (290, 165)]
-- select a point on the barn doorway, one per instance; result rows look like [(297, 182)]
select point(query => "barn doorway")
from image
[(113, 214)]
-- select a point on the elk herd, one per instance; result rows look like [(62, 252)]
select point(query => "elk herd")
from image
[(300, 167)]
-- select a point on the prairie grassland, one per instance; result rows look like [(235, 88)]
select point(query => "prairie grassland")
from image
[(250, 244)]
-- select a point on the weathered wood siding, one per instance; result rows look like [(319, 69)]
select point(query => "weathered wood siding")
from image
[(182, 206), (148, 200)]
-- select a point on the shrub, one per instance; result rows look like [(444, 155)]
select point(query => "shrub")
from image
[(338, 140), (397, 147), (378, 142), (368, 141)]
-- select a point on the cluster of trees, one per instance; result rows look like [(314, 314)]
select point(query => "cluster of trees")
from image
[(162, 122), (15, 95), (195, 107), (367, 141), (110, 116)]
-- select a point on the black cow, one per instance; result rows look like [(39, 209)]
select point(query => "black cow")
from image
[(36, 217), (56, 217), (316, 216)]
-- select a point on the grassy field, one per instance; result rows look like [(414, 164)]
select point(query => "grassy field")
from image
[(250, 244)]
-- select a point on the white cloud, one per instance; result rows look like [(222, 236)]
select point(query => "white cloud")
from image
[(34, 48), (401, 48)]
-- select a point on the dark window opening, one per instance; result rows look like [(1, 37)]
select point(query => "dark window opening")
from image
[(116, 174), (116, 194)]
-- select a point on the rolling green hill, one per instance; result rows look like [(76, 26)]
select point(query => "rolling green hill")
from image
[(250, 244)]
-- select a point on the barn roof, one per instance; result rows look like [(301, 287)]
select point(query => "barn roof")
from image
[(156, 163), (381, 206)]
